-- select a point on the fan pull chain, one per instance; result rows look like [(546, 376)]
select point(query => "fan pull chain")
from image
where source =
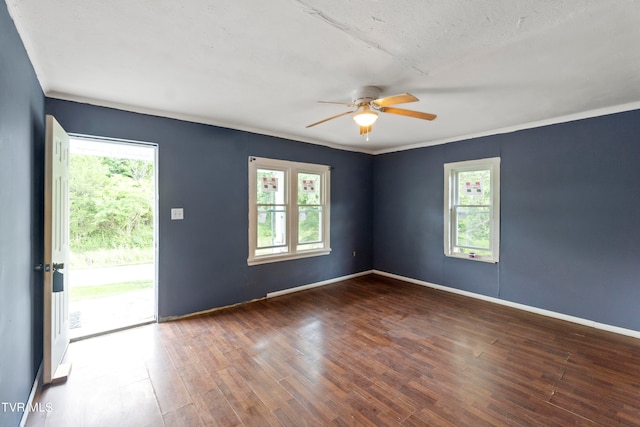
[(365, 130)]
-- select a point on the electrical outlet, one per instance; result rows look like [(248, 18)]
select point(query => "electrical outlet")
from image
[(177, 214), (353, 253)]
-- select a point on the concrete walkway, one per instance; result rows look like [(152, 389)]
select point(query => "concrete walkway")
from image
[(95, 315)]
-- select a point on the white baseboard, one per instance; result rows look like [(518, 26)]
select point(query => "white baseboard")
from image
[(34, 390), (536, 310), (543, 312), (269, 295), (317, 284)]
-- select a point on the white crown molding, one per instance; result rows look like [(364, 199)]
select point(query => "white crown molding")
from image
[(540, 123), (199, 120), (202, 120)]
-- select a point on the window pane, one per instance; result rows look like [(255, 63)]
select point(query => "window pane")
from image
[(272, 226), (271, 187), (309, 224), (473, 226), (309, 189), (474, 187)]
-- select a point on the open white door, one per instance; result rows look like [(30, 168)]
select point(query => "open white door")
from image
[(56, 252)]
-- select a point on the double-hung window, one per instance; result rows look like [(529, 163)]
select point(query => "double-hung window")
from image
[(472, 209), (288, 210)]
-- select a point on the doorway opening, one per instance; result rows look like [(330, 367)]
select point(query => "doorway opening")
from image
[(113, 233)]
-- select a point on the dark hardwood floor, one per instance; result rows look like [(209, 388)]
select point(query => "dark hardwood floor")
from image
[(367, 351)]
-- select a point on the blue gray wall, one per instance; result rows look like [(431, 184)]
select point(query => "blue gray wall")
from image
[(570, 218), (21, 196), (203, 169), (570, 209)]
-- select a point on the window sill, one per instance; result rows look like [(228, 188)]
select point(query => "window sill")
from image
[(487, 259), (286, 257)]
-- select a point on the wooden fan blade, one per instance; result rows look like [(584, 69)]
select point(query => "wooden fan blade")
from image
[(339, 103), (410, 113), (330, 118), (395, 99)]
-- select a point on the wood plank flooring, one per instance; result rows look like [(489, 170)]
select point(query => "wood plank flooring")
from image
[(367, 351)]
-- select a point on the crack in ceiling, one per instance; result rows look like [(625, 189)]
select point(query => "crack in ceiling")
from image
[(358, 35)]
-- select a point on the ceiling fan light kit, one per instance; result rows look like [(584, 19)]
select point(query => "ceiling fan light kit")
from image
[(367, 102), (364, 116)]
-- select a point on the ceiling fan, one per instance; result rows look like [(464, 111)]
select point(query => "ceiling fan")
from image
[(367, 102)]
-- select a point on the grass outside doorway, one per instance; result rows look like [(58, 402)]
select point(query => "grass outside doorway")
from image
[(101, 291)]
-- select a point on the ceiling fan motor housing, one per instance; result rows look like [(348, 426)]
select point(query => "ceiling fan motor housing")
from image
[(365, 95)]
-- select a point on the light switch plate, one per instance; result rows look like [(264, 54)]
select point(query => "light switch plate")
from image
[(177, 213)]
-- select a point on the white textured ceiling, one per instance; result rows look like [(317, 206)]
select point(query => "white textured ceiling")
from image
[(482, 66)]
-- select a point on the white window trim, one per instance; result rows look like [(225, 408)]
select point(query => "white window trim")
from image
[(291, 168), (450, 169)]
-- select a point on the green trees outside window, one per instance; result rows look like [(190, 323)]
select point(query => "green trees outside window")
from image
[(111, 204)]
